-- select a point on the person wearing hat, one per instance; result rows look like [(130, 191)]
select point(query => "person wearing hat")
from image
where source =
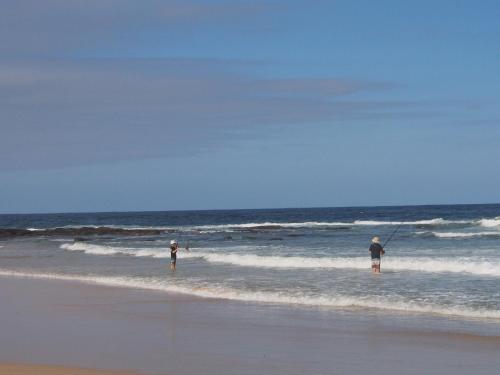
[(174, 246), (173, 253), (376, 250)]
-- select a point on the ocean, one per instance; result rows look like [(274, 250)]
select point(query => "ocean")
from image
[(443, 261)]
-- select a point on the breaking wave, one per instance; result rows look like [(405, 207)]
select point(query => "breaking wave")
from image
[(420, 264), (147, 230), (320, 224), (464, 234), (438, 265), (490, 223), (437, 221), (112, 250), (394, 304)]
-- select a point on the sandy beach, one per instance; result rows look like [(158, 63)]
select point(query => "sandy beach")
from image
[(69, 324)]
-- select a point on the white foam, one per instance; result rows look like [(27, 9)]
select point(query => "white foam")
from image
[(436, 221), (438, 265), (467, 265), (312, 224), (322, 224), (465, 234), (344, 302), (490, 223), (155, 252), (113, 226), (308, 224), (112, 250)]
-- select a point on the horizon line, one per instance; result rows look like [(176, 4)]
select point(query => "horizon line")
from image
[(253, 209)]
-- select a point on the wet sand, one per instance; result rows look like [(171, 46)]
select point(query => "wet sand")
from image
[(48, 322)]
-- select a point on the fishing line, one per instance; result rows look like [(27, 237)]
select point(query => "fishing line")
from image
[(392, 235)]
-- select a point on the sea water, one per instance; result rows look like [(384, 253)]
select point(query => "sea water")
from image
[(442, 261)]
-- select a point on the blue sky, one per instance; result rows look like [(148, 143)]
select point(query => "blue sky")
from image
[(162, 105)]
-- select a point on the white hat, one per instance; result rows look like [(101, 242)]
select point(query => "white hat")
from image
[(376, 240), (173, 242)]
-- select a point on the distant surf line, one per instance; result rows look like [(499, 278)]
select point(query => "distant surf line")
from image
[(483, 222)]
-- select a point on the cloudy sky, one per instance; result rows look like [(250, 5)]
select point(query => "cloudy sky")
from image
[(114, 105)]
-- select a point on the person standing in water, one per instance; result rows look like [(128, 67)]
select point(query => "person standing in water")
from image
[(376, 250), (174, 246)]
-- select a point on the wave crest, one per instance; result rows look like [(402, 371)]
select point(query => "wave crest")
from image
[(465, 234), (335, 302), (490, 223), (458, 234), (264, 226), (419, 264), (439, 265), (112, 250)]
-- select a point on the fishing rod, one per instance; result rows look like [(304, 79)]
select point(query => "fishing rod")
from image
[(392, 235)]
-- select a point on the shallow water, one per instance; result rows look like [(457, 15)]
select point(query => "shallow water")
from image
[(443, 260)]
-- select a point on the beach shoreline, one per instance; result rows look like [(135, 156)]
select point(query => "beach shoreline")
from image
[(67, 323)]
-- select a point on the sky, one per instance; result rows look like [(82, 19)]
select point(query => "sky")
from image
[(121, 105)]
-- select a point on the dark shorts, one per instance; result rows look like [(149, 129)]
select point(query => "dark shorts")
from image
[(173, 258)]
